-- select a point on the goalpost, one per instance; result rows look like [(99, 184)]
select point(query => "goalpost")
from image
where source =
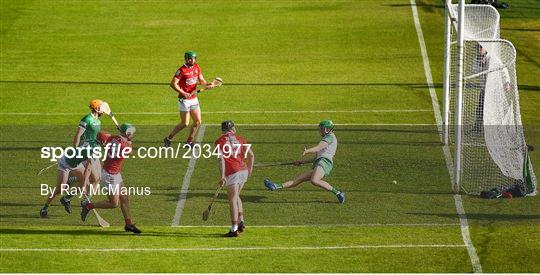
[(482, 118)]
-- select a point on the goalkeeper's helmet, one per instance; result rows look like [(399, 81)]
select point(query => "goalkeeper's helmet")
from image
[(326, 126), (127, 129), (190, 54), (95, 104), (227, 125)]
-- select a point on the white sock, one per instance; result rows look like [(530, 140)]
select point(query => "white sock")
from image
[(234, 227)]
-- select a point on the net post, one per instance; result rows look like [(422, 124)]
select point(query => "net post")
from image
[(446, 74), (459, 98)]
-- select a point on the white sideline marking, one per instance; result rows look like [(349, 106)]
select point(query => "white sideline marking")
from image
[(233, 112), (229, 248), (329, 225), (475, 261), (185, 182)]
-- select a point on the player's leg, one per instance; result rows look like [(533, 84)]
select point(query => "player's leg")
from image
[(184, 122), (197, 120), (124, 206), (94, 179), (232, 194), (76, 175), (113, 201), (61, 180), (111, 183), (316, 179), (479, 122), (288, 184), (243, 179)]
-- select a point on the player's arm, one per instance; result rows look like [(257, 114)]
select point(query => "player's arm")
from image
[(323, 144), (78, 135), (203, 81), (176, 87), (221, 167)]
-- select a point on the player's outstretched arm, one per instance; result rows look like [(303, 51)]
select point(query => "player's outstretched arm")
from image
[(319, 147)]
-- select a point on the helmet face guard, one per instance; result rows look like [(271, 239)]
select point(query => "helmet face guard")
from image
[(127, 129), (326, 125), (227, 125)]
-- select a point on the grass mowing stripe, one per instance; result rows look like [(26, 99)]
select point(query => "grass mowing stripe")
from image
[(186, 181), (232, 112), (475, 261), (230, 248)]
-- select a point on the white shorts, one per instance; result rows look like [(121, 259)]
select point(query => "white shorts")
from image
[(65, 167), (185, 105), (239, 178), (111, 180)]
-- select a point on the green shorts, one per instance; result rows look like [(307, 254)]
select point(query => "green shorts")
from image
[(325, 164)]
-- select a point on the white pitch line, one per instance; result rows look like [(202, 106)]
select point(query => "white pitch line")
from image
[(185, 182), (235, 112), (331, 225), (143, 249), (475, 261)]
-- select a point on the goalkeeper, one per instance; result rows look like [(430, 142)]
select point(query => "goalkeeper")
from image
[(322, 164)]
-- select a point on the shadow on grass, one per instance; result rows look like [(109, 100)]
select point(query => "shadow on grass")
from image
[(485, 216), (100, 232), (222, 196)]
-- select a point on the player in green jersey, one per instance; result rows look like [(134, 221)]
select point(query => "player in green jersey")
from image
[(322, 164), (86, 136), (80, 168)]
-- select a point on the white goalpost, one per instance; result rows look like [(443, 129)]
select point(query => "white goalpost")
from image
[(482, 118)]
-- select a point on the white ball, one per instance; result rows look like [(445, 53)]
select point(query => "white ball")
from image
[(394, 181)]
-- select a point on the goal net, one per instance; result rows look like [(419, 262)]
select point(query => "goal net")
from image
[(493, 151)]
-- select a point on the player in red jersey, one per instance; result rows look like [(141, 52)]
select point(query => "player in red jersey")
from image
[(184, 83), (234, 171), (116, 148)]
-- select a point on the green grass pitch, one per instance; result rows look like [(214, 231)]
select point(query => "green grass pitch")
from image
[(286, 65)]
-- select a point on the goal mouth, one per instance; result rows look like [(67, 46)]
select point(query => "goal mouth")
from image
[(482, 117)]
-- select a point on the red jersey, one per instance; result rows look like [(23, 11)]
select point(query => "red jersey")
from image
[(233, 152), (114, 160), (187, 78)]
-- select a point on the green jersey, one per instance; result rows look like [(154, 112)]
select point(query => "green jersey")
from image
[(330, 150), (92, 126), (76, 160)]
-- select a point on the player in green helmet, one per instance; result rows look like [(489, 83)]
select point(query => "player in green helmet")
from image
[(322, 163), (184, 83), (117, 147)]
